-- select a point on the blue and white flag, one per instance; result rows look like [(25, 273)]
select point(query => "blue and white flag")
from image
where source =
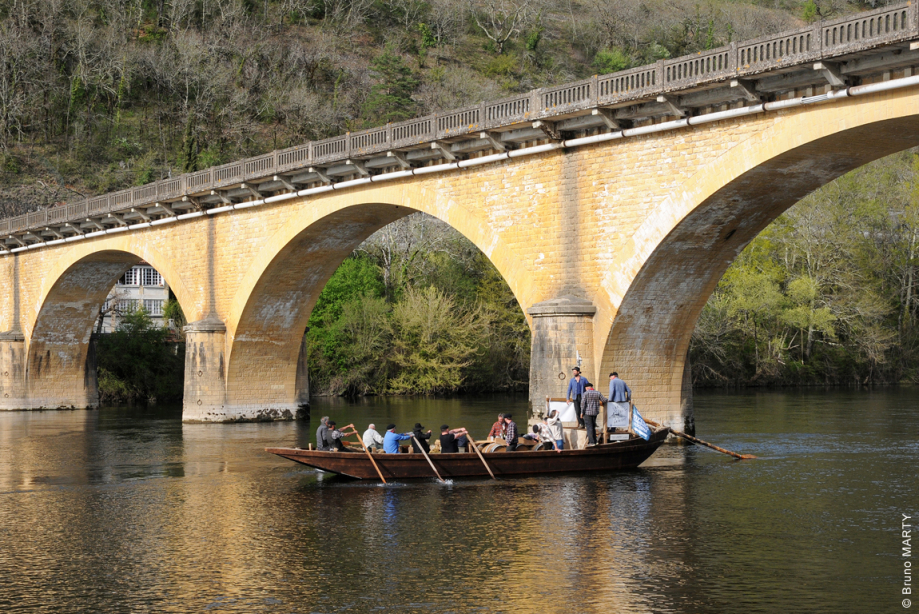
[(639, 426)]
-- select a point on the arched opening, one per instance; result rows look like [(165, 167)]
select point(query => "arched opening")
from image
[(61, 367), (650, 336), (267, 360)]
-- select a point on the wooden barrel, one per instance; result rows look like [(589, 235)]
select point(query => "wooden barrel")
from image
[(545, 445), (495, 447)]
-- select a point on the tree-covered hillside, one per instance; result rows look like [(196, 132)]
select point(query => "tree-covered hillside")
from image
[(97, 95)]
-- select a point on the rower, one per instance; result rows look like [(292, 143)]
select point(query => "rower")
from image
[(391, 439)]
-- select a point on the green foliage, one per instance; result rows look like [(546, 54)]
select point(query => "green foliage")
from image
[(172, 313), (611, 60), (809, 11), (450, 322), (136, 363), (390, 100), (428, 40), (434, 341), (827, 293)]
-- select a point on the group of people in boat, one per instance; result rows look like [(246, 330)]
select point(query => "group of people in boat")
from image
[(586, 399), (329, 438)]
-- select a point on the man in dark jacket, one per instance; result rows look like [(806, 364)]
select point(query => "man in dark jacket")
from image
[(422, 437)]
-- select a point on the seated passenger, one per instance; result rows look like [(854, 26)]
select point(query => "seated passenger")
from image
[(391, 439), (448, 440), (372, 439), (333, 437)]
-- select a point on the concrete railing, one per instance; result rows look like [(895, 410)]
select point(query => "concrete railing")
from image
[(820, 41)]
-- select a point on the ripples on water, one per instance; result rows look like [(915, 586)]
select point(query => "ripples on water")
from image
[(128, 510)]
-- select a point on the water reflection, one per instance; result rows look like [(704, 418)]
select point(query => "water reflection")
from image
[(130, 510)]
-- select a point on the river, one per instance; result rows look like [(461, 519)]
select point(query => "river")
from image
[(129, 510)]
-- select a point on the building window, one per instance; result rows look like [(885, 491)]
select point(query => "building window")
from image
[(150, 277), (154, 307), (126, 305), (141, 276)]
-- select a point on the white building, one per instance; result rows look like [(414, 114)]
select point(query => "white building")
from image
[(140, 286)]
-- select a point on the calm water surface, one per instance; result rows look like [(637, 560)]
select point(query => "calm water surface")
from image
[(129, 510)]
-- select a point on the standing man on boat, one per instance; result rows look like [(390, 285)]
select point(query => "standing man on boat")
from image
[(372, 439), (321, 434), (497, 429), (619, 391), (576, 387), (510, 433), (391, 439), (591, 407)]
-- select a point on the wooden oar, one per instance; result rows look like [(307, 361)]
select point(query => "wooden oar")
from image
[(479, 452), (427, 458), (369, 454), (695, 440)]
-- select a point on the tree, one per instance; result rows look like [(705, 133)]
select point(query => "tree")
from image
[(499, 20), (391, 99)]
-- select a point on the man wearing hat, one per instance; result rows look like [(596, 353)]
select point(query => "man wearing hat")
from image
[(391, 439), (421, 436)]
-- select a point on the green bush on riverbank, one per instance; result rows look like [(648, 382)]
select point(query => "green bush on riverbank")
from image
[(137, 362)]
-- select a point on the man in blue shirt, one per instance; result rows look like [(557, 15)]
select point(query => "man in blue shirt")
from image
[(576, 387), (391, 439), (619, 391)]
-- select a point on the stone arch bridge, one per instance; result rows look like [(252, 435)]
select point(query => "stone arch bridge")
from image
[(612, 220)]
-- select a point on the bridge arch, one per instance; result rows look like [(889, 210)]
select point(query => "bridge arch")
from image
[(265, 373), (57, 335), (660, 283)]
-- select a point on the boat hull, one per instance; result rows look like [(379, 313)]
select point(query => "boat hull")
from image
[(604, 457)]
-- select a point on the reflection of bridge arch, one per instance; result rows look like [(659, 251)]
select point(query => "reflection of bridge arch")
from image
[(717, 213), (57, 335), (277, 293)]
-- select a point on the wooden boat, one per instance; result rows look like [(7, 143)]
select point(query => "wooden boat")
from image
[(602, 457)]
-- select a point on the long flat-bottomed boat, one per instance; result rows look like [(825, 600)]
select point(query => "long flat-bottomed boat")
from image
[(624, 454)]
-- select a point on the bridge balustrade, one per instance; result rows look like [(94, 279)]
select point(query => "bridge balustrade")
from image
[(413, 132), (461, 121), (329, 150), (567, 98), (261, 166), (705, 66), (630, 84), (293, 158), (228, 174), (371, 141), (861, 32), (822, 40)]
